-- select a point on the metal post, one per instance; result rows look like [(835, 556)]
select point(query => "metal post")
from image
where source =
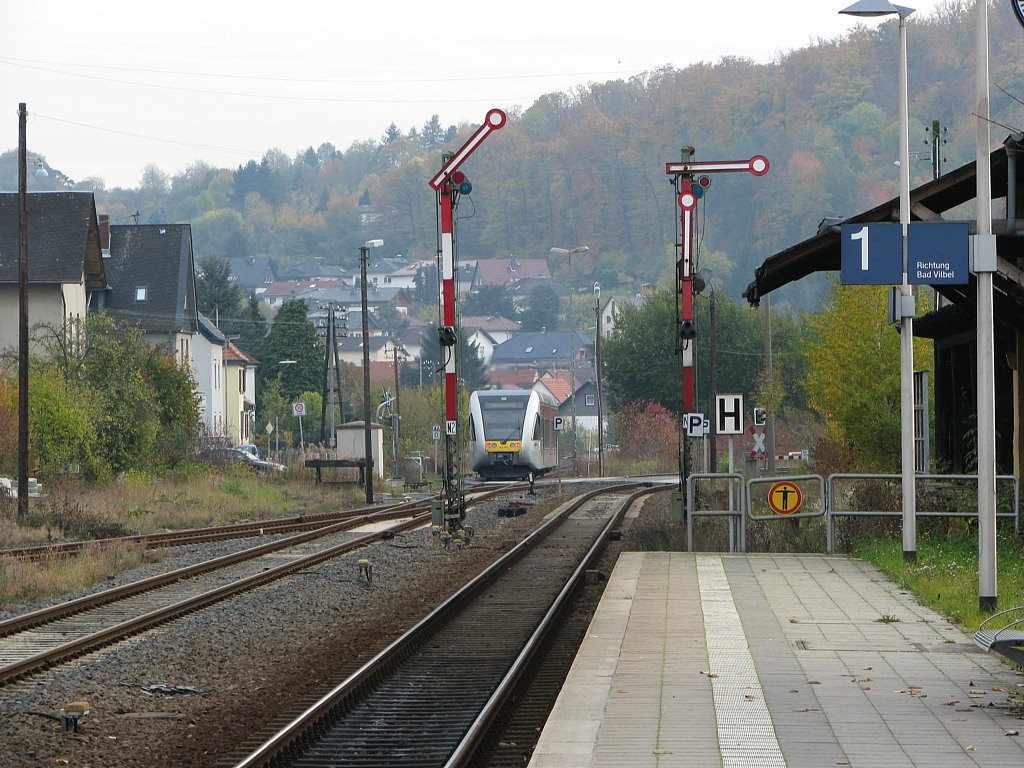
[(367, 436), (396, 417), (906, 324), (600, 405), (22, 316), (712, 437), (769, 430), (987, 562)]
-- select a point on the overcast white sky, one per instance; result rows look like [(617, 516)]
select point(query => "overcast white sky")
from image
[(114, 85)]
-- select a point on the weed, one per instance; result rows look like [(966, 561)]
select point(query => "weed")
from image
[(887, 618)]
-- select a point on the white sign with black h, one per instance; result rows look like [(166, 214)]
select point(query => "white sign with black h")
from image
[(729, 414)]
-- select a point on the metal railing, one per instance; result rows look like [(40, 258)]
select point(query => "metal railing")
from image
[(735, 512), (832, 512), (827, 502)]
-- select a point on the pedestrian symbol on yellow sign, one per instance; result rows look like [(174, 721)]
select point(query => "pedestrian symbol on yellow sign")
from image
[(785, 498)]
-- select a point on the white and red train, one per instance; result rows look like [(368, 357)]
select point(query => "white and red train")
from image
[(512, 433)]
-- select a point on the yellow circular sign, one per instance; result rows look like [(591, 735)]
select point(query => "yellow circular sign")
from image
[(785, 498)]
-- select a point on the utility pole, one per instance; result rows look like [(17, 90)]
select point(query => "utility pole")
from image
[(769, 372), (22, 315), (713, 422), (367, 429), (600, 405), (396, 418)]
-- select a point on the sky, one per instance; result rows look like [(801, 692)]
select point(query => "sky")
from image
[(112, 86)]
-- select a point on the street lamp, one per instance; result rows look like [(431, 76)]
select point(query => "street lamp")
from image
[(870, 8), (572, 347), (364, 251)]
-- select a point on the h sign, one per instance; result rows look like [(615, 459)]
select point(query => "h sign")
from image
[(729, 414)]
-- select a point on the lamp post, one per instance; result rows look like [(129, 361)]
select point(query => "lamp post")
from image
[(985, 264), (600, 406), (364, 251), (870, 8), (572, 347)]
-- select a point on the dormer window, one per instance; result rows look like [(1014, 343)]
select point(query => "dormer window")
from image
[(529, 350), (141, 292)]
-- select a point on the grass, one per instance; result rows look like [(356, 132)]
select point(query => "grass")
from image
[(190, 497), (22, 581), (945, 576)]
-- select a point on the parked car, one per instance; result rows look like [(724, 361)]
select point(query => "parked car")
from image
[(249, 448), (238, 455)]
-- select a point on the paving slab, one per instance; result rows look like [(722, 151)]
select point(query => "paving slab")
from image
[(802, 661)]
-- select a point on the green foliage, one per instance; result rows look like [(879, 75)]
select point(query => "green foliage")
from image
[(853, 372), (543, 308), (293, 337), (488, 300), (471, 368), (178, 407), (216, 294)]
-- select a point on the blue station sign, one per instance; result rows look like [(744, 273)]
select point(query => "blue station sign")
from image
[(872, 254), (938, 254)]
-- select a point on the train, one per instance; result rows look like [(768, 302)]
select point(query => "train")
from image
[(512, 433)]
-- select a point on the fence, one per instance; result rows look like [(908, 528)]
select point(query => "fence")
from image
[(825, 496)]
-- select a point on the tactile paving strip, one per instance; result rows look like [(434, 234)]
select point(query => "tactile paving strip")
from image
[(746, 736)]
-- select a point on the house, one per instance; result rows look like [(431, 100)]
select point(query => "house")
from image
[(151, 284), (488, 332), (382, 349), (507, 271), (541, 350), (278, 293), (65, 267), (253, 274), (313, 271), (612, 308), (208, 367), (239, 394), (392, 272)]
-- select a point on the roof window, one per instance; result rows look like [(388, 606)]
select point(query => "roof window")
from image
[(140, 292)]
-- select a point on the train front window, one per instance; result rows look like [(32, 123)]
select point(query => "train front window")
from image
[(503, 417)]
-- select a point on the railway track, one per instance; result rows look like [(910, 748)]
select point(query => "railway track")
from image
[(37, 640), (187, 536), (428, 698)]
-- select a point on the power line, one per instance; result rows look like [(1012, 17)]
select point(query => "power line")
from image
[(248, 152), (314, 81)]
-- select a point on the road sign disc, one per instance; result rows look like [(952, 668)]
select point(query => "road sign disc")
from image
[(785, 498)]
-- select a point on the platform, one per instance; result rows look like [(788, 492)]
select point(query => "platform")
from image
[(804, 661)]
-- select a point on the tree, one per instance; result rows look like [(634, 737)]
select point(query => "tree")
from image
[(293, 337), (544, 307), (639, 359), (647, 432), (487, 301), (853, 372), (392, 322), (216, 293), (177, 406)]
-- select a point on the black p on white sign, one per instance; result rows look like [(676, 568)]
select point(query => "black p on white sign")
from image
[(729, 414)]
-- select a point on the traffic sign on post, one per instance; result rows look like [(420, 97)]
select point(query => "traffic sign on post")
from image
[(785, 498), (696, 425), (437, 431), (559, 423), (298, 409), (729, 414)]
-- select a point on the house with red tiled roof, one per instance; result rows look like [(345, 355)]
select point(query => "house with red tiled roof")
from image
[(508, 271), (522, 378), (239, 393)]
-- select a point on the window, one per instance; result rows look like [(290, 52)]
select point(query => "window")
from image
[(590, 399), (140, 293), (538, 429), (241, 381)]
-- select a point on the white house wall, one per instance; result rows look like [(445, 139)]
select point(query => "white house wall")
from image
[(48, 305)]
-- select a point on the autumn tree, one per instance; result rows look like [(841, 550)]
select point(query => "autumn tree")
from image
[(853, 372), (647, 432)]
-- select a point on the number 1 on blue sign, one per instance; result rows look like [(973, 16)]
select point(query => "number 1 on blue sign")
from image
[(862, 235)]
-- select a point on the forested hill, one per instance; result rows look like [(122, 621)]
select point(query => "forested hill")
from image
[(588, 167)]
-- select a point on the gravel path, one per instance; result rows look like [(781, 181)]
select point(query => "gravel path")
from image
[(246, 662)]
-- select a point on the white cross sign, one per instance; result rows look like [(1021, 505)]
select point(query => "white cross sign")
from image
[(758, 443)]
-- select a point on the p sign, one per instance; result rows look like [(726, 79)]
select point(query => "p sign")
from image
[(559, 423), (729, 414), (872, 254), (696, 425)]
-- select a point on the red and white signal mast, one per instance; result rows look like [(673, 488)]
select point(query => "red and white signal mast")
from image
[(450, 184), (688, 191)]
